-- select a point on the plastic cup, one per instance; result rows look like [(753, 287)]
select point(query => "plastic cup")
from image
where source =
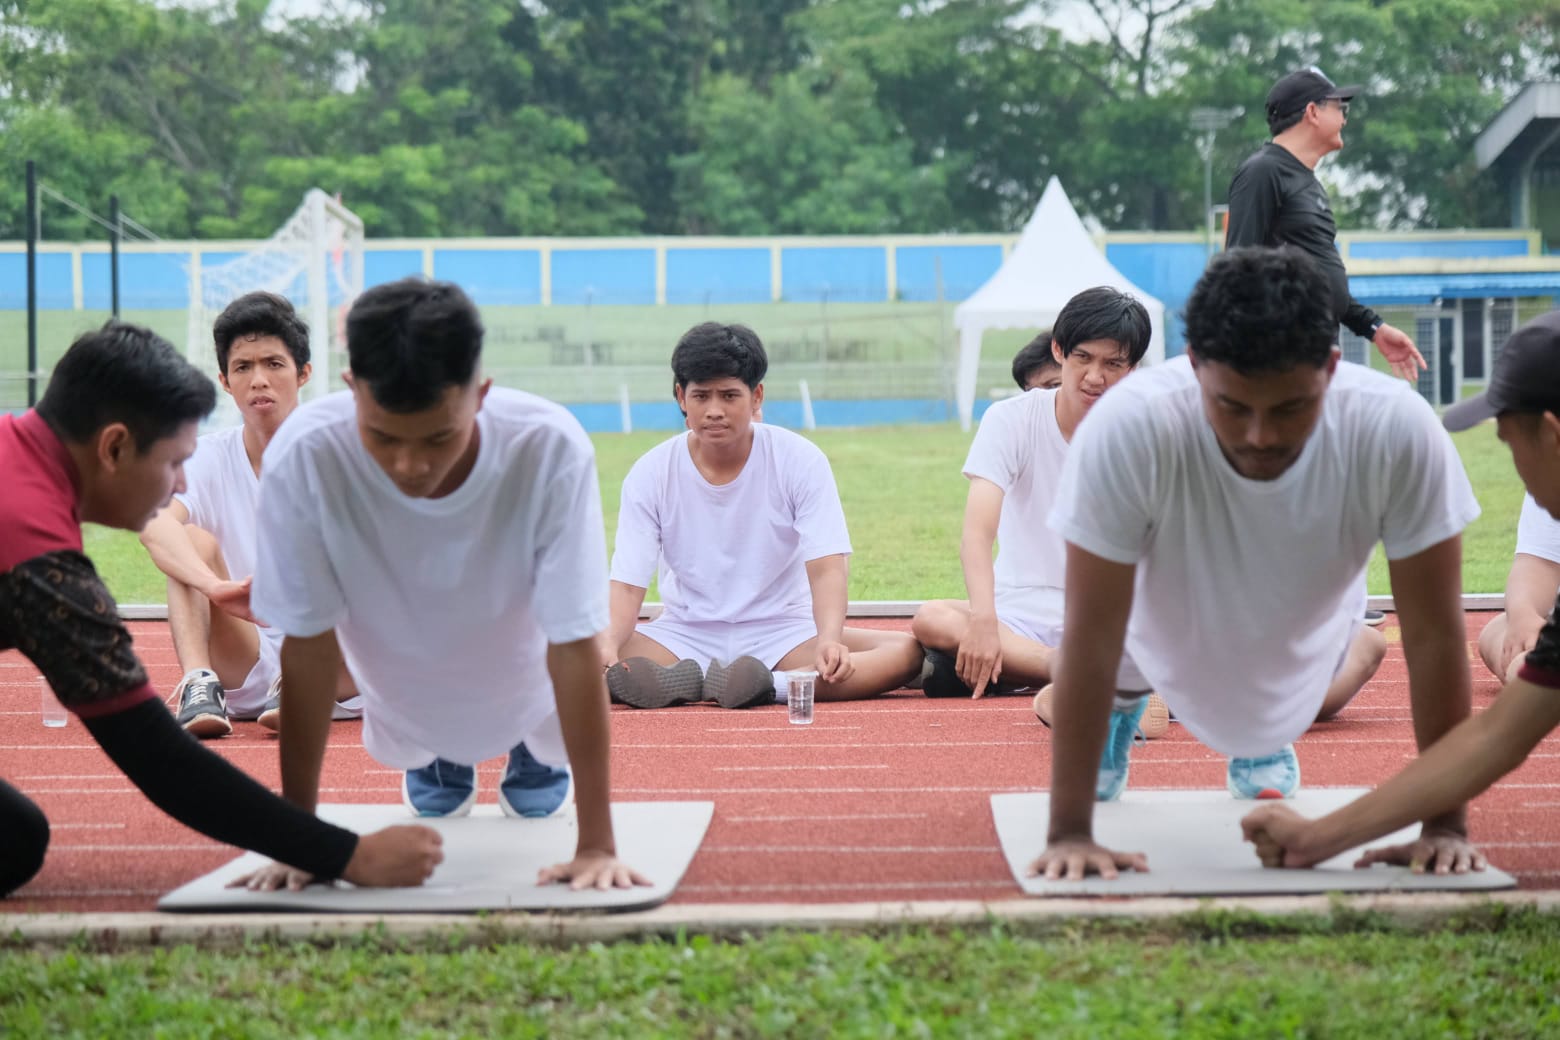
[(800, 687), (53, 712)]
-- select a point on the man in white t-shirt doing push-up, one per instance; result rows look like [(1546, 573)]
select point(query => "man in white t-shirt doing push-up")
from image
[(745, 523), (445, 537), (1219, 511)]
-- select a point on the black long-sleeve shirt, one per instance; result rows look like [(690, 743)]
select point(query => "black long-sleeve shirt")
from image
[(56, 611), (1275, 200)]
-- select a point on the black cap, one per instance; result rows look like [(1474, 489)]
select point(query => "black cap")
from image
[(1526, 377), (1298, 89)]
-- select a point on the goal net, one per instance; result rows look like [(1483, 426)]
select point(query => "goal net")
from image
[(315, 259)]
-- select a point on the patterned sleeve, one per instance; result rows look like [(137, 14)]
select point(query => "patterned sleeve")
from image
[(1541, 667), (55, 609)]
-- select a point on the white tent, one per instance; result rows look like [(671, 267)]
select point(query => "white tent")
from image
[(1055, 258)]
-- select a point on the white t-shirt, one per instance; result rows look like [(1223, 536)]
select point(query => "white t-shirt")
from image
[(1019, 447), (222, 494), (734, 552), (1246, 590), (444, 608), (1538, 533)]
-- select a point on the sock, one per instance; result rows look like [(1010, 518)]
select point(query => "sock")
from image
[(782, 687)]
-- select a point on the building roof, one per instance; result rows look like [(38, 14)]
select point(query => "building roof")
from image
[(1528, 123)]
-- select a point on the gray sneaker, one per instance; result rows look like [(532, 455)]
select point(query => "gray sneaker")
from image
[(203, 705)]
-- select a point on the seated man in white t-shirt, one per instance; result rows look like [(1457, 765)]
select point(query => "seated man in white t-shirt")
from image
[(1531, 588), (445, 538), (746, 525), (204, 541), (1003, 636), (1226, 503)]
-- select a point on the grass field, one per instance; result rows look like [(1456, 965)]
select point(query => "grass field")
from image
[(904, 500), (1211, 974)]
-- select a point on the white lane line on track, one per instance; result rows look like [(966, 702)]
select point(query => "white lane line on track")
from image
[(757, 729), (203, 847), (72, 776), (858, 746), (810, 818), (791, 767), (863, 850), (85, 826)]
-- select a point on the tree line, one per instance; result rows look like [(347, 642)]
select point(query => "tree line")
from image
[(734, 117)]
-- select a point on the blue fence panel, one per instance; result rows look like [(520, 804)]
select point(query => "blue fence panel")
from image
[(506, 277), (54, 291), (1451, 247), (1167, 270), (717, 275), (836, 274), (944, 272), (390, 265), (603, 276)]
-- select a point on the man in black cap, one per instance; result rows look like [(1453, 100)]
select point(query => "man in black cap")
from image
[(1275, 199), (1524, 400)]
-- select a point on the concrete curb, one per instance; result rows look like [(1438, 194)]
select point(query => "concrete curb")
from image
[(148, 930)]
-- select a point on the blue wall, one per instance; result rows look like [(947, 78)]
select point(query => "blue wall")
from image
[(601, 277), (717, 276), (491, 277), (963, 269), (837, 274)]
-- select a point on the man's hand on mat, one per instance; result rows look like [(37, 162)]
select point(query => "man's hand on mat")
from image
[(833, 662), (1073, 859), (592, 869), (1438, 851), (980, 655), (273, 876), (1281, 837)]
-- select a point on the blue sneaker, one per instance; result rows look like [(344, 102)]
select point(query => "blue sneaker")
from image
[(1116, 759), (440, 788), (531, 788), (1271, 776)]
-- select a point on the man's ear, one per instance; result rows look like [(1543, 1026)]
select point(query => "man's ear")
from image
[(1191, 355), (303, 373), (758, 396), (1056, 352), (114, 446), (677, 395), (1549, 433), (346, 377)]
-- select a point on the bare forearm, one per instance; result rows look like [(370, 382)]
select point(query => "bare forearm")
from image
[(581, 693), (625, 603), (1450, 773), (829, 578), (979, 574), (1081, 708), (309, 669), (168, 544)]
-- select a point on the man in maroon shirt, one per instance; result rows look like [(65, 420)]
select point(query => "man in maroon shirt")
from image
[(107, 444)]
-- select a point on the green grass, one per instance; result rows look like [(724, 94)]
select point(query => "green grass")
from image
[(1209, 975), (904, 499)]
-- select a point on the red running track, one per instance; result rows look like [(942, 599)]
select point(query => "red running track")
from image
[(885, 800)]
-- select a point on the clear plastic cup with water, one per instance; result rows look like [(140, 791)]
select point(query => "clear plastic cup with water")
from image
[(800, 687), (54, 713)]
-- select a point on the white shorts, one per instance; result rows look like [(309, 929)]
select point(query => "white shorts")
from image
[(1036, 614), (725, 641), (545, 743)]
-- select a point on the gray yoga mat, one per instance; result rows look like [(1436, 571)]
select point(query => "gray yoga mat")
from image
[(1194, 847), (490, 863)]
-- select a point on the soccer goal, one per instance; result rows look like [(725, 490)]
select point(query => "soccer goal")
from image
[(315, 259)]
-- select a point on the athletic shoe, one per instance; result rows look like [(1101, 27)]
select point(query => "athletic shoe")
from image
[(744, 683), (440, 788), (271, 715), (1153, 725), (531, 788), (203, 705), (940, 678), (1374, 618), (1115, 760), (1271, 776), (641, 683)]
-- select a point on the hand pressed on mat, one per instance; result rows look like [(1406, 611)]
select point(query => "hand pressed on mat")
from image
[(592, 869), (395, 857), (1073, 859), (1284, 838)]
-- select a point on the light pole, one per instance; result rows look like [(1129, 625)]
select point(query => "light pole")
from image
[(1208, 122)]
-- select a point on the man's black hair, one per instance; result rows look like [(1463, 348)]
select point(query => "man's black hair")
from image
[(1103, 313), (1257, 309), (1034, 356), (716, 351), (410, 341), (124, 373), (261, 314), (1277, 124)]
